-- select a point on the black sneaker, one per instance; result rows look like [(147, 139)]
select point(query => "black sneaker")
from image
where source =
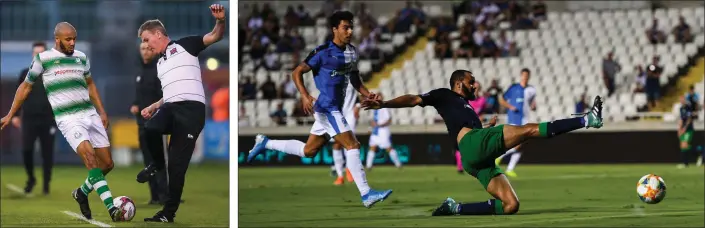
[(161, 217), (82, 200), (147, 173), (116, 214), (30, 185)]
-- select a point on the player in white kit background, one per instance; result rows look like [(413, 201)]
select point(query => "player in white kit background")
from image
[(351, 112), (519, 99), (381, 136)]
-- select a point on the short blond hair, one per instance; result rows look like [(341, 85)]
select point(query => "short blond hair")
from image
[(152, 25)]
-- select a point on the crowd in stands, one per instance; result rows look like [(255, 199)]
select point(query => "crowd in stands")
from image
[(475, 39)]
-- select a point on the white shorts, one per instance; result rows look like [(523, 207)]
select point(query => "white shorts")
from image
[(350, 119), (383, 141), (84, 128), (332, 123)]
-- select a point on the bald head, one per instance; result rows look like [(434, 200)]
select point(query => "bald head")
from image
[(65, 37), (63, 28)]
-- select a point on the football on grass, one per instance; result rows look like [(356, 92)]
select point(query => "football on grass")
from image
[(127, 205), (651, 189)]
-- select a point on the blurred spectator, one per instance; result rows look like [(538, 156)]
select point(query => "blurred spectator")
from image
[(368, 46), (653, 82), (271, 61), (242, 37), (257, 49), (328, 8), (507, 47), (682, 32), (581, 105), (248, 89), (267, 11), (243, 119), (640, 80), (270, 31), (445, 25), (220, 103), (494, 90), (287, 89), (255, 22), (269, 89), (655, 33), (489, 48), (363, 15), (291, 42), (279, 115), (443, 46), (539, 10), (299, 113), (488, 13), (480, 100), (524, 22), (406, 17), (479, 34), (291, 17), (512, 13), (610, 68), (304, 16), (467, 43)]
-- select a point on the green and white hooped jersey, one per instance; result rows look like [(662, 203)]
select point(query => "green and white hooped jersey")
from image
[(65, 82)]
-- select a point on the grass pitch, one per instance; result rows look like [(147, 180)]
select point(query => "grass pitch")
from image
[(205, 194), (550, 196)]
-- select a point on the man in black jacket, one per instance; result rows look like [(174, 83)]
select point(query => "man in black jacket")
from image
[(149, 90), (36, 121)]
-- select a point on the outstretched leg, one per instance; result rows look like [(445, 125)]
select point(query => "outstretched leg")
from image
[(515, 135)]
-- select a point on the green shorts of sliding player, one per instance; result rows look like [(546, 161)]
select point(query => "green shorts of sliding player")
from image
[(478, 150), (686, 137)]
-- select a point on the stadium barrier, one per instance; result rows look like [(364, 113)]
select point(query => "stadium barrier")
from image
[(642, 142)]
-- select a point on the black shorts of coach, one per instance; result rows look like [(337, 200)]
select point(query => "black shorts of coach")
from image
[(184, 121)]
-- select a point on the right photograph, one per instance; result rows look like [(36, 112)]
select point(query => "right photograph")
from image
[(389, 113)]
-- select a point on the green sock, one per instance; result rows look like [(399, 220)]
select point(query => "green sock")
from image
[(96, 178), (498, 209), (87, 187), (543, 129)]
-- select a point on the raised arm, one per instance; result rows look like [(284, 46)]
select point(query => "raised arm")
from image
[(216, 35)]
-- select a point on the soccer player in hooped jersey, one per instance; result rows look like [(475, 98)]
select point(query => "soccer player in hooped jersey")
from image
[(480, 146), (334, 65), (519, 99), (78, 112)]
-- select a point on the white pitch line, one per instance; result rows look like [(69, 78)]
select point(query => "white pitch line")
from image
[(17, 189), (91, 221), (589, 218)]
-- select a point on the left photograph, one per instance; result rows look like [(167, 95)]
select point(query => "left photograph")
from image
[(114, 113)]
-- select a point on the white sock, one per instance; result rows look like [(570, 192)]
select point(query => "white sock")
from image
[(293, 147), (514, 160), (510, 151), (338, 162), (370, 158), (395, 158), (586, 120), (355, 166)]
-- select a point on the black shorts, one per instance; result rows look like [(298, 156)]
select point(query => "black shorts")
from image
[(178, 117)]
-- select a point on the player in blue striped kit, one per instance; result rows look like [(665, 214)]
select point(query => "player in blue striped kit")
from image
[(519, 100), (334, 66)]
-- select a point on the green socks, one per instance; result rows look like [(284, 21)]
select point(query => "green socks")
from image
[(96, 181)]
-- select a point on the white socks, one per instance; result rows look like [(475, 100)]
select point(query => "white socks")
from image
[(514, 160), (370, 158), (395, 158), (293, 147), (354, 164), (339, 162), (510, 151)]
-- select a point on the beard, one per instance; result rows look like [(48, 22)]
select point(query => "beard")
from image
[(469, 93), (65, 49)]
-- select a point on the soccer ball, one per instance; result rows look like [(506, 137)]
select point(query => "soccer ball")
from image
[(127, 205), (651, 189)]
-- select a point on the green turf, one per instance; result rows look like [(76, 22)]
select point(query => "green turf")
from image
[(550, 196), (205, 194)]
